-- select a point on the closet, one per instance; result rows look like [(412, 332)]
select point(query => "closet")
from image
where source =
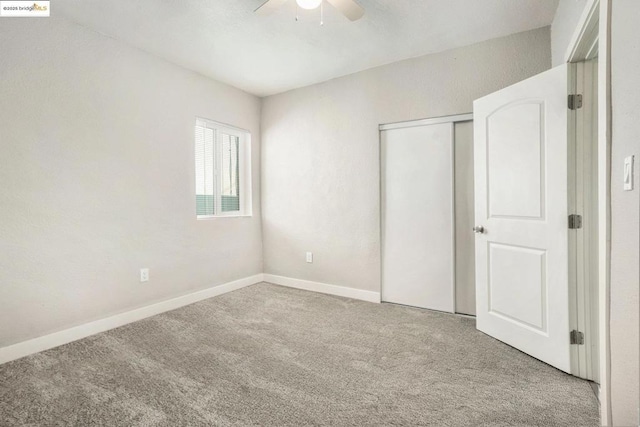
[(427, 214)]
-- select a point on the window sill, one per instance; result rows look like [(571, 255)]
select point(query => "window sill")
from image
[(201, 218)]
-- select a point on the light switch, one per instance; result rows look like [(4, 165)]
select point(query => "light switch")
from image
[(628, 173)]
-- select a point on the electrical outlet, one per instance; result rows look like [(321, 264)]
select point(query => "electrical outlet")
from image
[(144, 275), (309, 257)]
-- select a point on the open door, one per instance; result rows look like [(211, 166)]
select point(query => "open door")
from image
[(521, 211)]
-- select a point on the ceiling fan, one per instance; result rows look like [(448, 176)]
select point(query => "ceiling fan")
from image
[(349, 8)]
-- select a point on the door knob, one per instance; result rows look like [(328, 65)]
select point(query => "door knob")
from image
[(478, 229)]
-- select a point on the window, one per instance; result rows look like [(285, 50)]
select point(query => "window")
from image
[(222, 170)]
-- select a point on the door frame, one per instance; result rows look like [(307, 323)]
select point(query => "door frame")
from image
[(466, 117), (593, 34), (582, 198)]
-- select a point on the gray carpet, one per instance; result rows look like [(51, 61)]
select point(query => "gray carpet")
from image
[(272, 356)]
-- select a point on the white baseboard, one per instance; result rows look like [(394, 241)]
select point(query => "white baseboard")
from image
[(324, 288), (56, 339)]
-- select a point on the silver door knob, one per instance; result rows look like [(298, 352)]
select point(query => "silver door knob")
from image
[(478, 229)]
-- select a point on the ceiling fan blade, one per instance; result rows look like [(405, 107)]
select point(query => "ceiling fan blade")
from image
[(269, 7), (349, 8)]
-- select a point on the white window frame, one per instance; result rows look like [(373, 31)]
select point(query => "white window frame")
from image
[(244, 169)]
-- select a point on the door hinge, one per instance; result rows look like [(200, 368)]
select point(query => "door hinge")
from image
[(575, 222), (576, 337), (575, 101)]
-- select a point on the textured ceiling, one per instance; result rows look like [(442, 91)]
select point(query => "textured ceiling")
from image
[(225, 40)]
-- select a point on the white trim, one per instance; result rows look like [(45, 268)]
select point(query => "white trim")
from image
[(425, 122), (208, 217), (75, 333), (323, 288), (604, 202), (584, 42), (214, 125), (452, 146)]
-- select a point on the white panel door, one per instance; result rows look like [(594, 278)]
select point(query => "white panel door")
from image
[(417, 216), (521, 175)]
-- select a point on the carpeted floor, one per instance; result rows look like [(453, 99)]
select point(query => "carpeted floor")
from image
[(272, 356)]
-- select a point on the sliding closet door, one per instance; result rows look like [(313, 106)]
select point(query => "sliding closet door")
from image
[(418, 216)]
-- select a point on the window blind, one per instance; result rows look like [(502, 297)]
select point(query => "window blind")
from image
[(205, 196)]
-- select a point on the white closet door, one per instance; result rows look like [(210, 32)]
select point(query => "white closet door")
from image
[(418, 216)]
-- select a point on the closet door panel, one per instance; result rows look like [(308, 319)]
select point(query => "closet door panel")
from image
[(418, 261)]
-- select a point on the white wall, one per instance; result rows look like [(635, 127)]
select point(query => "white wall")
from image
[(563, 27), (97, 173), (320, 152), (625, 218)]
